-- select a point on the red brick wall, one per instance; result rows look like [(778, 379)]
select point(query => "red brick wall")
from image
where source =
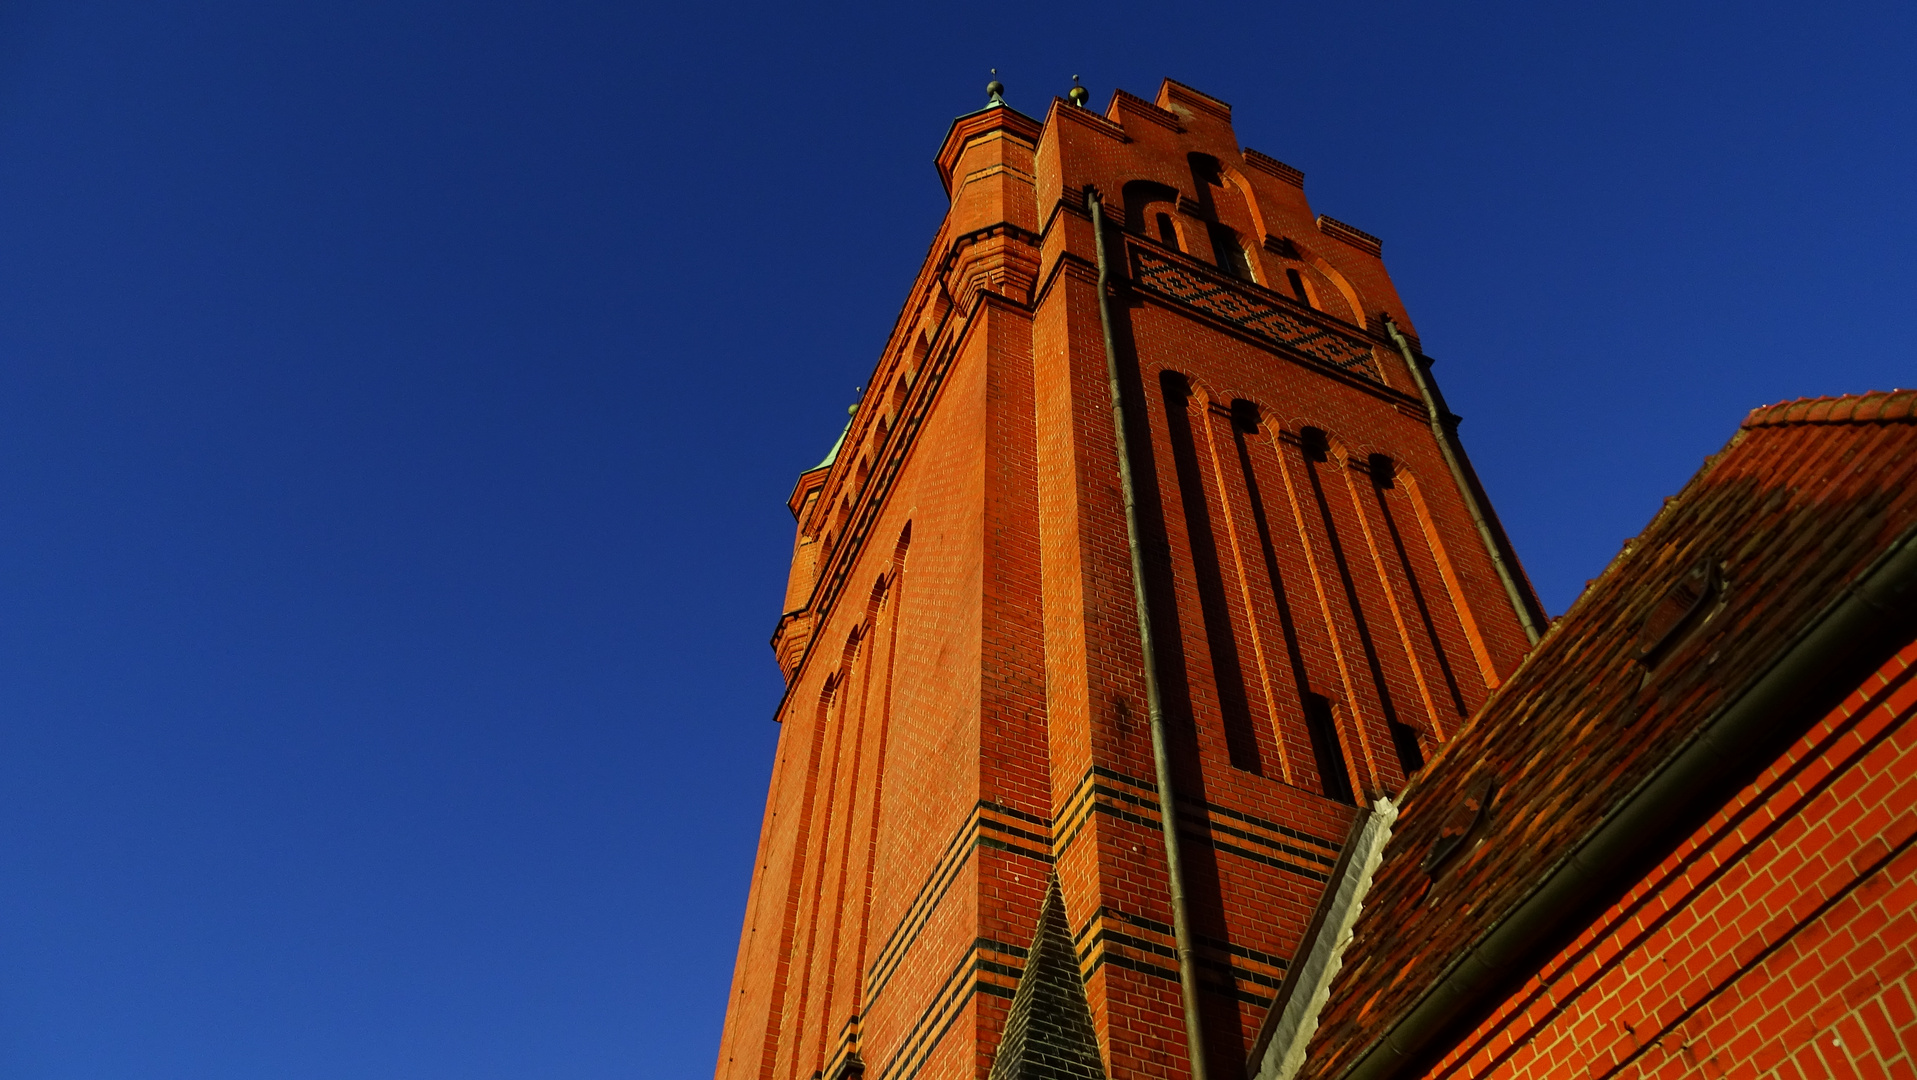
[(1777, 940), (964, 713)]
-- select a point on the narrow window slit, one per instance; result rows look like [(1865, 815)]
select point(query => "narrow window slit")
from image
[(1333, 775)]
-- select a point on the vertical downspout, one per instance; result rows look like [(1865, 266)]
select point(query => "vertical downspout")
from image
[(1504, 561), (1154, 701)]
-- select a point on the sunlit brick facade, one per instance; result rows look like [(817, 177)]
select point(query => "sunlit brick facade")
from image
[(1672, 837), (964, 717)]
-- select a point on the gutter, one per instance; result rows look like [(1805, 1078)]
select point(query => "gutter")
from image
[(1444, 427), (1852, 639)]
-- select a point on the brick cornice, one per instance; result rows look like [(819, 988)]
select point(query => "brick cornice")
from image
[(1173, 90), (1351, 234), (1267, 163), (1063, 110), (1124, 104)]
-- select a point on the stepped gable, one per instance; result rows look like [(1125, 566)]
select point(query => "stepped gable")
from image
[(1049, 1033), (1804, 500)]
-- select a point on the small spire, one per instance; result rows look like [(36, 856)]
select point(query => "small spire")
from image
[(1079, 94), (994, 91)]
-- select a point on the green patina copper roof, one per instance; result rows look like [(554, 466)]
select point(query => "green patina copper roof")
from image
[(836, 444), (840, 442)]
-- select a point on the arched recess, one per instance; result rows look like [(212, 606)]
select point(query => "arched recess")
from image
[(921, 348), (1235, 686), (1338, 556), (1389, 653), (1399, 654), (1430, 618), (849, 655), (1354, 313), (1270, 665), (1447, 572), (899, 549), (1230, 210), (830, 834), (793, 956), (1249, 194), (1151, 209), (882, 613)]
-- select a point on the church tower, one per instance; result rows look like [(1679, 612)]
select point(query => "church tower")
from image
[(1151, 512)]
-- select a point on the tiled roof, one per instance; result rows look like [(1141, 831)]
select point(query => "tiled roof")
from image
[(1805, 498), (1860, 409)]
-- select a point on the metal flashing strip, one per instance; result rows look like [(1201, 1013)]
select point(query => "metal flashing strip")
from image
[(1863, 625), (1308, 982)]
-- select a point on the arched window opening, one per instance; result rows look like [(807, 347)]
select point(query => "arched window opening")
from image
[(1230, 253), (865, 471), (1226, 203), (1298, 289), (1151, 209), (1167, 232)]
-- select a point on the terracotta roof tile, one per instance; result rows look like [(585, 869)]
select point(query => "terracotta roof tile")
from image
[(1800, 502), (1862, 408)]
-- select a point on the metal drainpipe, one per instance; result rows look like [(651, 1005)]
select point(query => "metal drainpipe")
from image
[(1154, 702), (1521, 599)]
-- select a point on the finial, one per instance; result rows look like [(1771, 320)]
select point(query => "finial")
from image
[(1078, 94), (994, 91)]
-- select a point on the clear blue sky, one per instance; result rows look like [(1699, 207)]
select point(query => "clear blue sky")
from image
[(398, 401)]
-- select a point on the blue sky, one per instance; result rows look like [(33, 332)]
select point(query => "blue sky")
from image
[(398, 401)]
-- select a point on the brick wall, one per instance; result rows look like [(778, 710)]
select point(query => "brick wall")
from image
[(1777, 940), (965, 716)]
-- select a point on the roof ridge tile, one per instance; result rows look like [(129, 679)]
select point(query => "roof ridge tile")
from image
[(1876, 406)]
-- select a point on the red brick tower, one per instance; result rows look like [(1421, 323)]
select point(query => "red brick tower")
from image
[(967, 720)]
